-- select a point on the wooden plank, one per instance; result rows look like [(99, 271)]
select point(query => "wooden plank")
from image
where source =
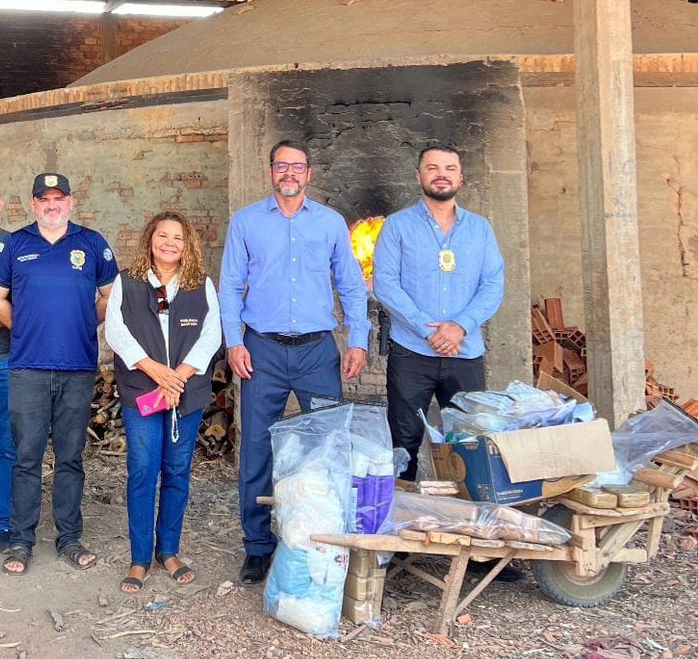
[(631, 555), (421, 574), (449, 538), (614, 540), (484, 582), (677, 459), (608, 207), (384, 543), (582, 508), (520, 544), (585, 555), (483, 542), (449, 599), (654, 534), (654, 508), (564, 553), (595, 521)]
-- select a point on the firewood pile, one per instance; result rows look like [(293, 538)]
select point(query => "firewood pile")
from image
[(560, 351), (217, 431)]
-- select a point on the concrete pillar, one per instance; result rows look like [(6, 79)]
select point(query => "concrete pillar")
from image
[(109, 28), (608, 207)]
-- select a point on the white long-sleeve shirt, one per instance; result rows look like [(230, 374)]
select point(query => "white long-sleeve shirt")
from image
[(123, 343)]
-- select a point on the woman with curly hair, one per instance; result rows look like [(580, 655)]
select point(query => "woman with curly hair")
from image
[(163, 324)]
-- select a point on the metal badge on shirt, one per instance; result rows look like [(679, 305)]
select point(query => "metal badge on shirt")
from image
[(447, 260)]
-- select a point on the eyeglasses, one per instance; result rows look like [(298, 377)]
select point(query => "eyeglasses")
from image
[(163, 302), (279, 166)]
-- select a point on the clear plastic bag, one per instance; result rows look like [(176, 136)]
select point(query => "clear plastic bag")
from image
[(372, 463), (490, 521), (519, 406), (645, 435), (312, 493)]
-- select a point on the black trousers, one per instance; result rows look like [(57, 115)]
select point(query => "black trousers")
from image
[(412, 381)]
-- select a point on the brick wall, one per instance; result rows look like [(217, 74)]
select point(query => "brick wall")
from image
[(50, 50)]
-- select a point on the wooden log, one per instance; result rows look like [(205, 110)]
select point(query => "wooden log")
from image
[(218, 427), (220, 371), (107, 373), (677, 459), (658, 478), (118, 445), (100, 418)]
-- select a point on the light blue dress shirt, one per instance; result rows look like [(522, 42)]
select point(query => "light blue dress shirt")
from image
[(277, 273), (408, 281)]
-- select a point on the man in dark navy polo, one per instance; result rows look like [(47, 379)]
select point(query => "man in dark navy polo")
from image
[(7, 446), (60, 275)]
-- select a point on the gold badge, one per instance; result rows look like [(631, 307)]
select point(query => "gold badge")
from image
[(77, 258), (50, 181), (447, 260)]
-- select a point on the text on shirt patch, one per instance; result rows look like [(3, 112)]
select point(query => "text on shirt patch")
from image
[(28, 257), (188, 322)]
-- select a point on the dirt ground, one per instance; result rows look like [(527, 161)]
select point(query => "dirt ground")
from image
[(56, 612)]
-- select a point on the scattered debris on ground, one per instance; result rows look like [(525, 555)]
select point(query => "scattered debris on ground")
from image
[(57, 612)]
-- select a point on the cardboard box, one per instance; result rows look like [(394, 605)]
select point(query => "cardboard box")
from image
[(525, 465)]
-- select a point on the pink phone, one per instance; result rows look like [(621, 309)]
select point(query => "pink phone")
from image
[(146, 403)]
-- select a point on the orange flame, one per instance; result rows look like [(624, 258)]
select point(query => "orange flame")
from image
[(364, 235)]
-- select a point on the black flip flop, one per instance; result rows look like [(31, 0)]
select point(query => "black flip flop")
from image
[(17, 554), (179, 572), (134, 581)]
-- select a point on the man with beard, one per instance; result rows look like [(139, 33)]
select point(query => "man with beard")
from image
[(439, 273), (281, 257), (60, 275)]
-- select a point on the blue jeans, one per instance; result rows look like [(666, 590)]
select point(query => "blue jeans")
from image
[(40, 401), (7, 447), (307, 370), (152, 454)]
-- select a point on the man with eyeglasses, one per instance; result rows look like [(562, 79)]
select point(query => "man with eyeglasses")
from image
[(281, 258), (60, 275)]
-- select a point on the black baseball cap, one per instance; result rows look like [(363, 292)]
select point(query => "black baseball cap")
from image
[(49, 181)]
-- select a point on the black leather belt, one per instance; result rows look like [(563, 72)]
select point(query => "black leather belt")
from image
[(293, 339)]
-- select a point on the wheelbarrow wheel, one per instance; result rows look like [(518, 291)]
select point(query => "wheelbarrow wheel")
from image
[(559, 581)]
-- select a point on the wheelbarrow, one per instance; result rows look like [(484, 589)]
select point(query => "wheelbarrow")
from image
[(586, 572)]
